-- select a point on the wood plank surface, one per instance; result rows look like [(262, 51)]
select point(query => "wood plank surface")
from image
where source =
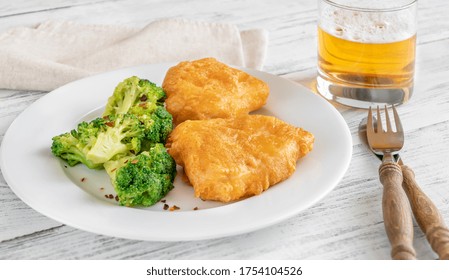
[(346, 224)]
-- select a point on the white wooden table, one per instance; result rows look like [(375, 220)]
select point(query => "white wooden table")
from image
[(346, 224)]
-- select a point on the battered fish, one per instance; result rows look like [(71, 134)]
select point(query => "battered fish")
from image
[(207, 89), (229, 159)]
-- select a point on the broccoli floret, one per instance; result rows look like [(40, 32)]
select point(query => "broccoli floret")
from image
[(73, 146), (144, 179), (143, 99), (100, 140), (157, 125), (134, 92), (122, 136)]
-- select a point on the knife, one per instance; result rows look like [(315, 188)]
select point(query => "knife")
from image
[(424, 210)]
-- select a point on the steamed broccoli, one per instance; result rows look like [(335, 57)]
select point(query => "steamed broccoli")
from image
[(100, 140), (122, 136), (128, 142), (143, 99), (144, 179), (73, 146), (158, 125), (134, 92)]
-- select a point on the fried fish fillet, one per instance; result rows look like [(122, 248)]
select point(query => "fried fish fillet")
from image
[(229, 159), (207, 89)]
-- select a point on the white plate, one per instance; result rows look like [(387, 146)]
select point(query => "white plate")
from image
[(44, 183)]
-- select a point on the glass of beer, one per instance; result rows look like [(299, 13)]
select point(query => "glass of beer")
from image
[(366, 51)]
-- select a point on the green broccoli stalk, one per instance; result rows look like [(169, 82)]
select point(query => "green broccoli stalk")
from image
[(73, 146), (144, 179), (100, 140), (143, 99), (122, 136)]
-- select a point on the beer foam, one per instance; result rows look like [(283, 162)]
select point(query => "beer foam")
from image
[(368, 26)]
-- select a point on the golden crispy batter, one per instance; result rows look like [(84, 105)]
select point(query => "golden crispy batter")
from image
[(207, 89), (229, 159)]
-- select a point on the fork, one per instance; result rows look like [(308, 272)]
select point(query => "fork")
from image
[(395, 206)]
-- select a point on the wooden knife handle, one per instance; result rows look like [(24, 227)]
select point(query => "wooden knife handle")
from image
[(396, 212), (427, 215)]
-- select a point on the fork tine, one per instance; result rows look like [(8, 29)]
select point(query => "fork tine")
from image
[(370, 127), (379, 121), (387, 120), (369, 123), (397, 120)]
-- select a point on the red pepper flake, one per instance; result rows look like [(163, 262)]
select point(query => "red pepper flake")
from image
[(112, 170), (105, 117), (111, 196), (174, 208), (163, 200), (143, 98), (196, 208), (166, 206), (126, 161), (106, 196), (83, 179), (101, 189), (134, 161), (143, 105), (116, 198), (110, 124)]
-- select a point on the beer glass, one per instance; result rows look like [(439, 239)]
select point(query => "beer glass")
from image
[(366, 51)]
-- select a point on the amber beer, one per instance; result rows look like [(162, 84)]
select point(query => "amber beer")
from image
[(365, 57), (379, 65)]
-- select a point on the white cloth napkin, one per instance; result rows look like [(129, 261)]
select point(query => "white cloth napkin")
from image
[(57, 52)]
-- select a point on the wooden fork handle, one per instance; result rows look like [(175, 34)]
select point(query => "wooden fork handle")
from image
[(426, 215), (396, 212)]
